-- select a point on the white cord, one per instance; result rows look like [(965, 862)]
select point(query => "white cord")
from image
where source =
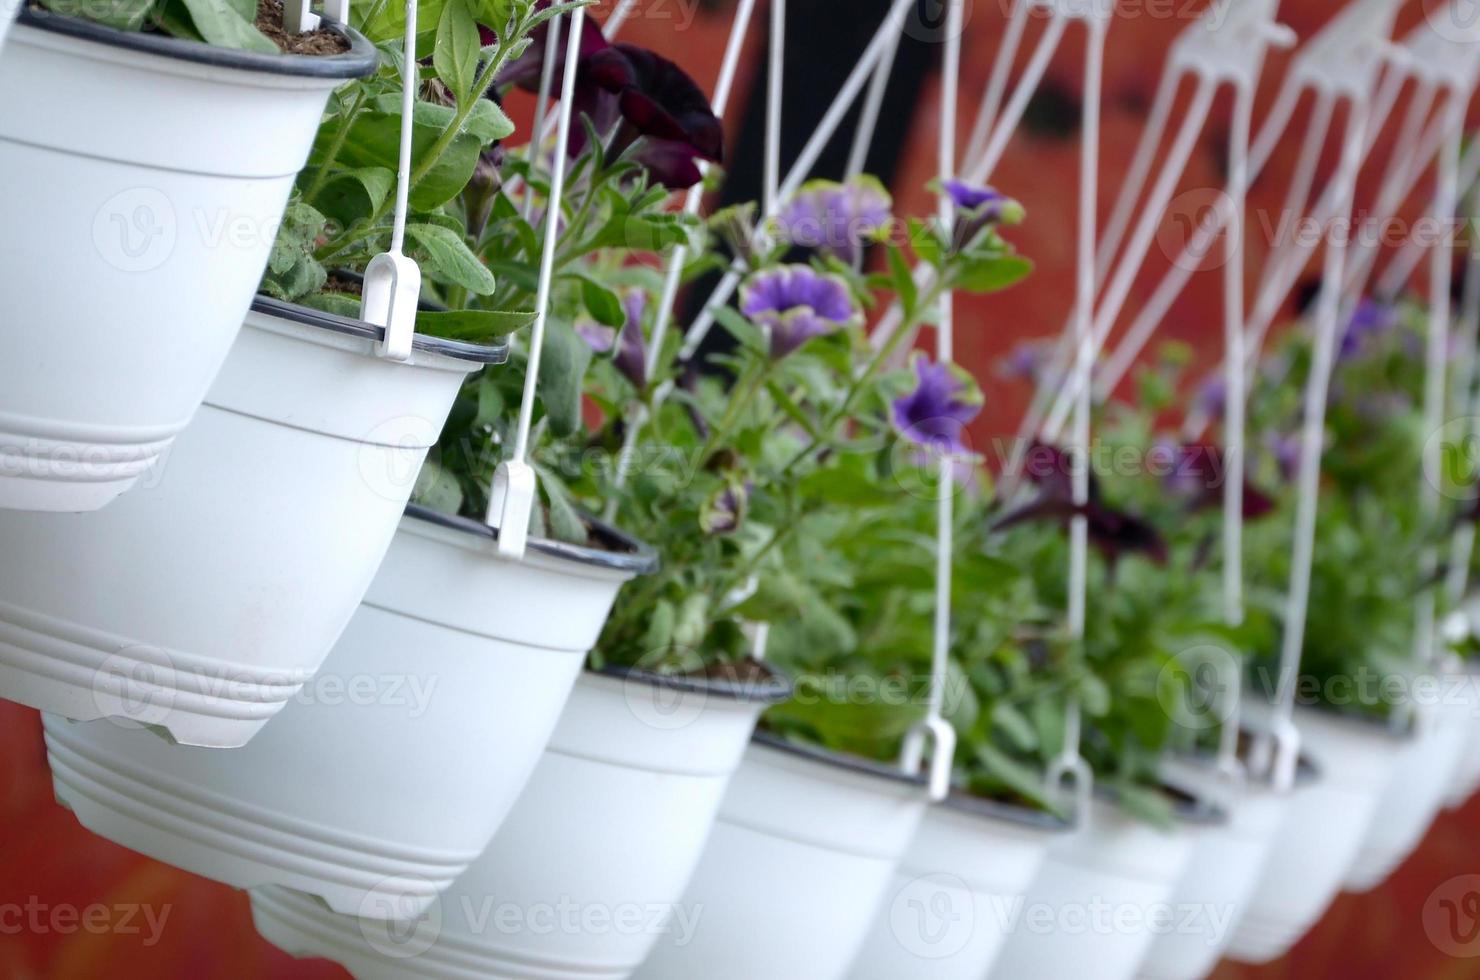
[(552, 232), (408, 109), (775, 81)]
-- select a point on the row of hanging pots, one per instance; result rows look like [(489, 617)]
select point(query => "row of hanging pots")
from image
[(155, 173), (169, 611)]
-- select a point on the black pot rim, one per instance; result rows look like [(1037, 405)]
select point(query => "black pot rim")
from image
[(1191, 811), (1015, 813), (632, 556), (333, 322), (774, 690), (359, 61), (840, 760)]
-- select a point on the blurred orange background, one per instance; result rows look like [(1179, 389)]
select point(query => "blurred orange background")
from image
[(48, 860)]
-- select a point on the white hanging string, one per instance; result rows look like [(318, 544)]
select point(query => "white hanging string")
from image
[(1462, 542), (802, 168), (775, 81), (542, 101), (619, 16), (935, 724), (1436, 369), (673, 278), (873, 104), (1314, 430), (511, 499), (986, 118)]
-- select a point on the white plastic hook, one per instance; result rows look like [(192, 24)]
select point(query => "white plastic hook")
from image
[(511, 498), (392, 286), (943, 735), (1073, 768)]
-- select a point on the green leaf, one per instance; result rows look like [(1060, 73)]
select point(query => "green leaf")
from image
[(455, 55), (438, 489), (488, 122), (565, 523), (1021, 779), (353, 195), (450, 259), (375, 141), (659, 636), (990, 274), (562, 376), (602, 303), (473, 326), (219, 22), (741, 328), (903, 282), (340, 304), (126, 15)]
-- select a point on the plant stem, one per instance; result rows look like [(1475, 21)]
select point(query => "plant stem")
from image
[(332, 156)]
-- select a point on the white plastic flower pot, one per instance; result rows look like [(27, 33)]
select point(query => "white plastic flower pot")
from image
[(1102, 894), (1327, 820), (966, 872), (8, 9), (201, 604), (145, 178), (1227, 861), (801, 859), (1421, 778), (1464, 781), (446, 684), (589, 868)]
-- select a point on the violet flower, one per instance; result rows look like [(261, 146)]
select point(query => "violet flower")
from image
[(1212, 396), (1028, 361), (1196, 475), (839, 219), (979, 208), (1370, 321), (796, 303), (654, 111), (1114, 533), (1286, 452), (724, 512), (936, 413), (631, 344)]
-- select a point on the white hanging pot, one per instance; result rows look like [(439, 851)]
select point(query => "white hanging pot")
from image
[(1465, 779), (801, 859), (1424, 773), (589, 868), (145, 178), (966, 873), (1227, 861), (447, 683), (1327, 819), (201, 604), (1098, 899), (8, 10)]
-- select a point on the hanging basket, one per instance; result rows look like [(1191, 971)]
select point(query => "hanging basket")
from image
[(1116, 861), (145, 180), (1327, 820), (381, 787), (610, 826), (201, 605), (1227, 861), (945, 916), (1422, 776), (803, 853)]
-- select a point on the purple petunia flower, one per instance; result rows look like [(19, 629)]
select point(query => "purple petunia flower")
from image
[(725, 511), (1369, 321), (1114, 533), (940, 408), (1196, 474), (1028, 361), (836, 218), (649, 104), (980, 208), (796, 303), (1286, 452), (631, 344), (1212, 396)]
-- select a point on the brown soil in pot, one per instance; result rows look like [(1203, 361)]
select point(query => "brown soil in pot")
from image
[(321, 42)]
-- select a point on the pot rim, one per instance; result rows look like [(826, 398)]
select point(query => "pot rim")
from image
[(359, 61), (1360, 719), (840, 760), (309, 317), (636, 558), (776, 690), (970, 804), (1195, 811)]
